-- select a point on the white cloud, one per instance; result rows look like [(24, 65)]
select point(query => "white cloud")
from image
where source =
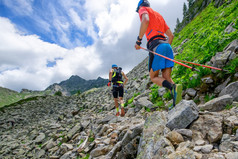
[(23, 58), (115, 20)]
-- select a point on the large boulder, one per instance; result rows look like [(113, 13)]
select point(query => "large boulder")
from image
[(153, 144), (182, 115), (208, 127), (217, 104), (232, 90)]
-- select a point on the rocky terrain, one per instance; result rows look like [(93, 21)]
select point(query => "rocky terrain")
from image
[(204, 125), (85, 126)]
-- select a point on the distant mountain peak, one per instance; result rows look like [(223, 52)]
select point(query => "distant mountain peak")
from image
[(75, 83)]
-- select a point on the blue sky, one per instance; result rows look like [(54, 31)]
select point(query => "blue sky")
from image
[(47, 41), (48, 20)]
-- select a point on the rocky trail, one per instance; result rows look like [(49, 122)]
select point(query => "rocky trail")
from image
[(85, 126)]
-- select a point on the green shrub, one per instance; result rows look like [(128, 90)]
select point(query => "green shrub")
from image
[(58, 93), (208, 98), (130, 100), (154, 93), (167, 95), (228, 106)]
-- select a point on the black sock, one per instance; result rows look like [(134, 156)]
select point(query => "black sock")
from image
[(167, 84)]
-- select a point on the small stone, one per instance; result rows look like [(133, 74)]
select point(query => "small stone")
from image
[(40, 138), (206, 148), (197, 148), (200, 142), (175, 137)]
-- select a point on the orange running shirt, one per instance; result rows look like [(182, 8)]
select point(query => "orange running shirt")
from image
[(157, 24)]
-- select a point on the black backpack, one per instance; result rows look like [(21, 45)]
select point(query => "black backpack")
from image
[(117, 76)]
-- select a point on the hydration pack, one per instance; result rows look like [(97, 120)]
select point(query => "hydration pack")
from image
[(117, 76)]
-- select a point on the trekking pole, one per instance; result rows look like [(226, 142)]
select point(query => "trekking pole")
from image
[(215, 68), (192, 68)]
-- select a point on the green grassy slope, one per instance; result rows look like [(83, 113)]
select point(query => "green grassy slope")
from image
[(206, 37), (8, 96)]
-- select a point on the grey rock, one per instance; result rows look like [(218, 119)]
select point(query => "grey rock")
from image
[(130, 112), (232, 155), (200, 142), (191, 92), (229, 29), (197, 148), (74, 130), (66, 147), (187, 97), (40, 153), (231, 46), (114, 151), (185, 132), (106, 119), (40, 138), (219, 88), (206, 148), (182, 115), (208, 127), (161, 91), (50, 144), (217, 104), (207, 80), (143, 102), (66, 155), (152, 143), (130, 149), (85, 123), (221, 59), (99, 151), (232, 90)]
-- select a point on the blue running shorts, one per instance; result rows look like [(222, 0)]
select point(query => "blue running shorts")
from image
[(157, 62)]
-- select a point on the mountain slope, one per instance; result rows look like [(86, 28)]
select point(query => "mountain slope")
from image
[(210, 32), (8, 96)]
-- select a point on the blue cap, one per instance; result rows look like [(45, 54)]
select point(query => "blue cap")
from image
[(140, 2), (114, 65)]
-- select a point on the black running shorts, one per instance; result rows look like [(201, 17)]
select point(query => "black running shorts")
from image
[(117, 90)]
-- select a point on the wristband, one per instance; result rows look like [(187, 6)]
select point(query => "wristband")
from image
[(138, 43), (139, 39)]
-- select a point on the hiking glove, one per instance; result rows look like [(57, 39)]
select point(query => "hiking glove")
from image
[(109, 83)]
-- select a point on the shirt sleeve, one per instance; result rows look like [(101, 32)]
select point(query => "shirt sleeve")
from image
[(142, 11)]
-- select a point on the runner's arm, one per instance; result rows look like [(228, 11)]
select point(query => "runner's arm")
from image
[(170, 35), (110, 75), (126, 79), (143, 27)]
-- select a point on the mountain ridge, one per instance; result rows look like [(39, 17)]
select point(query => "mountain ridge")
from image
[(73, 85), (77, 84)]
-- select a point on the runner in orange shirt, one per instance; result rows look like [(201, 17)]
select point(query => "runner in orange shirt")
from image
[(154, 27)]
